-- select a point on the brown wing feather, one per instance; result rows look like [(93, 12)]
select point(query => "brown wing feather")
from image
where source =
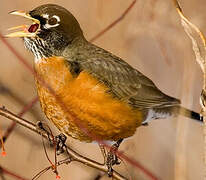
[(122, 80)]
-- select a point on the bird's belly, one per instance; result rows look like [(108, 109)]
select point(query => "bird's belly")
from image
[(81, 106)]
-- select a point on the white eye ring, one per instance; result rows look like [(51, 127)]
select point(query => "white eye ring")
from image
[(47, 25), (57, 17)]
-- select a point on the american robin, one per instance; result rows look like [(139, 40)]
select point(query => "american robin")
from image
[(107, 95)]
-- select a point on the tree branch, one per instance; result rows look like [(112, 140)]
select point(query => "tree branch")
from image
[(74, 155)]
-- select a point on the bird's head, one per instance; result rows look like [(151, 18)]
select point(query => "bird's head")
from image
[(53, 28)]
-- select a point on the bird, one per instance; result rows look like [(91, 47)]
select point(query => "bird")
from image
[(107, 96)]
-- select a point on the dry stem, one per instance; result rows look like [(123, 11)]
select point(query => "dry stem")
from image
[(199, 48)]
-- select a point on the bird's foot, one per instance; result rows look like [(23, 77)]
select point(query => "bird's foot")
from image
[(112, 158), (41, 129), (60, 141), (145, 124)]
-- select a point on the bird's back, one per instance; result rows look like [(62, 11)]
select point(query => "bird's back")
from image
[(122, 80)]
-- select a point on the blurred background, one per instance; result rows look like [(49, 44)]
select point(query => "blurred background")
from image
[(151, 39)]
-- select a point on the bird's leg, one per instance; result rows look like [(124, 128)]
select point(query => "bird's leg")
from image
[(40, 128), (103, 151), (60, 141), (112, 158)]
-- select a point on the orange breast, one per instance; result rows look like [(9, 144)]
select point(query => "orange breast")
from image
[(90, 109)]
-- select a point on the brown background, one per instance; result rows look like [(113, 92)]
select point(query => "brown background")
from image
[(151, 39)]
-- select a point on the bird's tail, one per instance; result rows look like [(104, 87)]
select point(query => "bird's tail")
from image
[(188, 113), (164, 112)]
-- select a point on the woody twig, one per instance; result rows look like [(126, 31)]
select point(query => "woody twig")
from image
[(74, 155)]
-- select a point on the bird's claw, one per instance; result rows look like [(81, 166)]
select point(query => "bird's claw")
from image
[(60, 143), (112, 158), (40, 128)]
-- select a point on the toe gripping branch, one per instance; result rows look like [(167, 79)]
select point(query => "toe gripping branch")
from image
[(112, 158), (58, 141)]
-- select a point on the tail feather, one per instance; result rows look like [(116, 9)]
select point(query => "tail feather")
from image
[(190, 114), (165, 112)]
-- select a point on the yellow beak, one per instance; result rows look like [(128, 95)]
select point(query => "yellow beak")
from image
[(24, 32)]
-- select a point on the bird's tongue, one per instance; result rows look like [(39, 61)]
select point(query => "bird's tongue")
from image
[(33, 28)]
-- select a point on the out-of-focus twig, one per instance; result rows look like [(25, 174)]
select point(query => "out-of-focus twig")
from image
[(23, 111), (199, 48), (5, 90), (23, 61), (14, 175), (157, 39), (26, 107), (2, 174), (8, 92), (113, 23), (98, 176)]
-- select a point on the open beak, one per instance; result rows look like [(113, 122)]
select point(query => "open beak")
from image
[(26, 31)]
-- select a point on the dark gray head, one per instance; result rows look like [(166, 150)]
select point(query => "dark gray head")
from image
[(53, 29)]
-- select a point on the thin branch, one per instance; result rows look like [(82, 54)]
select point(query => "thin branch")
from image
[(75, 156), (5, 90), (157, 39), (2, 174), (14, 175), (113, 23), (98, 176), (23, 111), (26, 106)]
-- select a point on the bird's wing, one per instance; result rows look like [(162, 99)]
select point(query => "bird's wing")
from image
[(125, 82)]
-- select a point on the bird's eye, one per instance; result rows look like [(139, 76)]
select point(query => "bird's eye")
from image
[(52, 21)]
